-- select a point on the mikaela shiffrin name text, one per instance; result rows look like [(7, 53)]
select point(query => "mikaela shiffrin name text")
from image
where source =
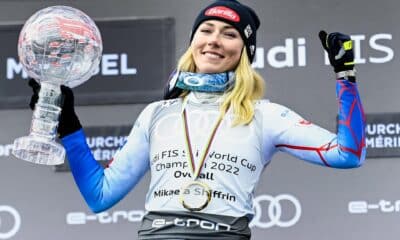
[(195, 191)]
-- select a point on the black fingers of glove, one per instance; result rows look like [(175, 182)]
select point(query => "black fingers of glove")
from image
[(68, 99), (322, 36), (35, 96), (68, 121), (340, 50)]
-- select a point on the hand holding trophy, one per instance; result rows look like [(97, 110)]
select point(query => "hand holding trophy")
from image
[(58, 45)]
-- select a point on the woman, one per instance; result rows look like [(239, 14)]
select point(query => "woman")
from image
[(203, 180)]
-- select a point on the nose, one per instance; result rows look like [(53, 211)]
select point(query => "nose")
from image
[(214, 40)]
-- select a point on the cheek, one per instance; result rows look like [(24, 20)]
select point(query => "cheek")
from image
[(197, 41), (235, 54), (235, 50), (194, 44), (196, 48)]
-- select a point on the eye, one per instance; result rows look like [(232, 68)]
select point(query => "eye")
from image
[(205, 30), (231, 34)]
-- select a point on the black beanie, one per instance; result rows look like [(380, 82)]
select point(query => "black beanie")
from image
[(240, 16)]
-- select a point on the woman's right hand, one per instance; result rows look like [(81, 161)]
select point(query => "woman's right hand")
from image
[(68, 120)]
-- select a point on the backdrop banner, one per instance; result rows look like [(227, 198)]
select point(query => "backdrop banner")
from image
[(137, 60), (383, 135)]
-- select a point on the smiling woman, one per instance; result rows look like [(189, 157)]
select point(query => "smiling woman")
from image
[(216, 47), (210, 140)]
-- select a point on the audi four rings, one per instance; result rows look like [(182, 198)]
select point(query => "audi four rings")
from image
[(274, 211)]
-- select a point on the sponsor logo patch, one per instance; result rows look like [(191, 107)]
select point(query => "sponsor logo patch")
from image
[(223, 12)]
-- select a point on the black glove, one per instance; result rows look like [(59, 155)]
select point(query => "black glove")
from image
[(68, 120), (340, 50)]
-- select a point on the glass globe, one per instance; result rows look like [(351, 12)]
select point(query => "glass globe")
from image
[(61, 45)]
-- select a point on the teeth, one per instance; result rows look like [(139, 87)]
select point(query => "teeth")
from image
[(212, 55)]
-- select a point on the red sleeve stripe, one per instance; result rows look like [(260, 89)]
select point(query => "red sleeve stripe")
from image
[(326, 147)]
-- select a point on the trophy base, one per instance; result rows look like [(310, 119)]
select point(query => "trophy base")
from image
[(38, 150)]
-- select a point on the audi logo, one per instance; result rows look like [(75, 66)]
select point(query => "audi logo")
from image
[(273, 208), (16, 222)]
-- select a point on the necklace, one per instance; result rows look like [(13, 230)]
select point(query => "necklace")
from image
[(196, 195)]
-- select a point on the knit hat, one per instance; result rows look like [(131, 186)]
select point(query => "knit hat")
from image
[(240, 16)]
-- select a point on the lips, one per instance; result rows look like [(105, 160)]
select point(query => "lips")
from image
[(212, 54)]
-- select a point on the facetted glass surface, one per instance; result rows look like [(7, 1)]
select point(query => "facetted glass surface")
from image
[(60, 44)]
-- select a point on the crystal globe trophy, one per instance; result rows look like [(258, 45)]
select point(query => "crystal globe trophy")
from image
[(58, 45)]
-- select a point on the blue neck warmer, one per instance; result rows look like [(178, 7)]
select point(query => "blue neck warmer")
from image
[(205, 82)]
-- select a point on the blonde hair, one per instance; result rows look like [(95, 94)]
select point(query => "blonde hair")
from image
[(249, 86)]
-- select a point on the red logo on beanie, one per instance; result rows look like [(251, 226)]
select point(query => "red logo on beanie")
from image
[(223, 12)]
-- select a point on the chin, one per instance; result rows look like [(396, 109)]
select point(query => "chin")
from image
[(210, 70)]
